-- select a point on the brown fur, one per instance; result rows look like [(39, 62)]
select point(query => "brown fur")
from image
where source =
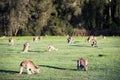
[(82, 64), (30, 66), (36, 38), (11, 41), (26, 47), (90, 38), (104, 37), (94, 44), (70, 39), (51, 47)]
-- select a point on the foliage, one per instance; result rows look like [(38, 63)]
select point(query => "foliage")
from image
[(35, 17)]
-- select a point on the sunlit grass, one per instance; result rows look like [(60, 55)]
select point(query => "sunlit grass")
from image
[(103, 61)]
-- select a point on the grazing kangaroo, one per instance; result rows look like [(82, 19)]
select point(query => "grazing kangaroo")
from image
[(30, 66), (94, 44), (51, 47), (36, 38), (90, 38)]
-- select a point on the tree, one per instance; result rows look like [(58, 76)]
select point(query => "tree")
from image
[(59, 17)]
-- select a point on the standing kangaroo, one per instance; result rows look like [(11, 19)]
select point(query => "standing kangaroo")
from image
[(26, 47), (82, 64)]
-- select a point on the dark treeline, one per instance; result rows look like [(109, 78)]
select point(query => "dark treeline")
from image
[(59, 17)]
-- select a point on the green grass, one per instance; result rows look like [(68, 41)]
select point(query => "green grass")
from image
[(103, 62)]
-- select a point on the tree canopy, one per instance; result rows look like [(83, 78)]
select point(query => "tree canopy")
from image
[(59, 17)]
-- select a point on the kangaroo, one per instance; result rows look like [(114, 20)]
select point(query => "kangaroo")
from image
[(90, 38), (25, 47), (82, 64), (51, 47), (30, 66)]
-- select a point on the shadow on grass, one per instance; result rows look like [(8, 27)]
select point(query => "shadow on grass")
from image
[(86, 46), (37, 51), (76, 42), (76, 45), (8, 71), (54, 67), (4, 44)]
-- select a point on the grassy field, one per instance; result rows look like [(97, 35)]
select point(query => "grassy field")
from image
[(61, 64)]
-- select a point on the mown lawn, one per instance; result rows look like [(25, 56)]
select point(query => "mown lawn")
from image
[(61, 64)]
